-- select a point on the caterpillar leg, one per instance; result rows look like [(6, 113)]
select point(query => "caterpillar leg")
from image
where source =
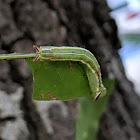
[(37, 50)]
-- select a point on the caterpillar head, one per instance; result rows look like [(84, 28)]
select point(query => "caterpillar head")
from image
[(100, 93)]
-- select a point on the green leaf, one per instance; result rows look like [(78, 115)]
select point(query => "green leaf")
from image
[(58, 80), (90, 113)]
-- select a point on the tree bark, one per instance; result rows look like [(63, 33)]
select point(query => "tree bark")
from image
[(83, 23)]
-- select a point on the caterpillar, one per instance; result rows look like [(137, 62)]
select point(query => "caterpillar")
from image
[(66, 53)]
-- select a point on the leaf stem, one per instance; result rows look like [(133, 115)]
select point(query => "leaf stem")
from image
[(17, 55)]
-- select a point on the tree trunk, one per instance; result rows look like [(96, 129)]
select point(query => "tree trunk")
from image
[(83, 23)]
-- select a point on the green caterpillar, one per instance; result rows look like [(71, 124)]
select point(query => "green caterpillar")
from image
[(76, 54)]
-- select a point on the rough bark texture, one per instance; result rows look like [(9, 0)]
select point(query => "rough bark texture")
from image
[(60, 22)]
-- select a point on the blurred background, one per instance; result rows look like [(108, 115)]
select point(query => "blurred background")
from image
[(127, 16)]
